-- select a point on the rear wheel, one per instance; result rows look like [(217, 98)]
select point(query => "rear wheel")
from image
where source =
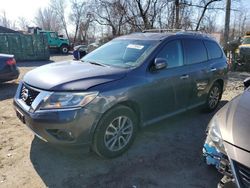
[(64, 49), (214, 97), (115, 132)]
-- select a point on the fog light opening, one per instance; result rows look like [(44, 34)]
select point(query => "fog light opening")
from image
[(61, 134)]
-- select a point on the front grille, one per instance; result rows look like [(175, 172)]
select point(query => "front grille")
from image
[(243, 174), (28, 95)]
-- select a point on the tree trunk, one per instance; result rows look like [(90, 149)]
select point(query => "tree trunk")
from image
[(76, 31), (227, 23), (203, 13), (114, 32), (177, 12)]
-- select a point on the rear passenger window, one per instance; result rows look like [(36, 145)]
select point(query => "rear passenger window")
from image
[(172, 52), (195, 51), (214, 51)]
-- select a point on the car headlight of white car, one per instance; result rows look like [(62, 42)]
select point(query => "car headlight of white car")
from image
[(215, 135), (61, 100)]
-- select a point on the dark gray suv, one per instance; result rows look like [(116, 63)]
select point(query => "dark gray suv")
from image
[(130, 82)]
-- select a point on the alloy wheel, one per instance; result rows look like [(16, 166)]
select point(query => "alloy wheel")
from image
[(118, 133), (214, 97)]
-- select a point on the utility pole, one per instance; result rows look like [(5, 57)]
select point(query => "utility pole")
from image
[(177, 10), (227, 23)]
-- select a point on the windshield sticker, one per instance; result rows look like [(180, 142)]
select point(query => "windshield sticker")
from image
[(135, 46)]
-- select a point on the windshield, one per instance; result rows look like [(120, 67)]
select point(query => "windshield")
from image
[(121, 53), (246, 40)]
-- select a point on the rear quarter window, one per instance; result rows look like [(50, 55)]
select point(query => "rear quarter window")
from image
[(195, 51), (213, 49)]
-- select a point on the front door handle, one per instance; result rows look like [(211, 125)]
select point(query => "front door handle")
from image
[(213, 69), (186, 76)]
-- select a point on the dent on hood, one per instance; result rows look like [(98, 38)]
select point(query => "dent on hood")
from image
[(78, 85)]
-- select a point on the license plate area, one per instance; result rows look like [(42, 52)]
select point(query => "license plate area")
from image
[(20, 116)]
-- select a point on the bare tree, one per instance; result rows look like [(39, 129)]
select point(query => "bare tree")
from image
[(58, 6), (3, 20), (206, 5), (119, 17), (112, 14), (48, 20), (239, 21), (23, 23), (208, 24), (84, 27), (6, 22), (184, 16), (143, 14), (77, 15)]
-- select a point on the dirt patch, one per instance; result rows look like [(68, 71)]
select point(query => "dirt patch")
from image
[(167, 154)]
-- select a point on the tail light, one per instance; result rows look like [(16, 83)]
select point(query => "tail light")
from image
[(11, 61)]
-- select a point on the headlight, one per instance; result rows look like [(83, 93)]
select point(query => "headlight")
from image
[(59, 100), (215, 134)]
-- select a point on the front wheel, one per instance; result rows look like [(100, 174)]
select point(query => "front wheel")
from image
[(115, 132), (64, 49), (213, 97)]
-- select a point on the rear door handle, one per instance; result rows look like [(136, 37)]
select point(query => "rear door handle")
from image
[(213, 69), (184, 77)]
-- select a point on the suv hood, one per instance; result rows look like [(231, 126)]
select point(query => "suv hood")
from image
[(72, 75), (234, 121)]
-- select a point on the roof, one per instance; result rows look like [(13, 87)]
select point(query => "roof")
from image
[(146, 36), (7, 30)]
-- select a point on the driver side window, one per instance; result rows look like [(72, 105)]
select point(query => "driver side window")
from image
[(172, 52), (52, 35)]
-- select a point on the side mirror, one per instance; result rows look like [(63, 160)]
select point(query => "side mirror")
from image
[(246, 82), (160, 63)]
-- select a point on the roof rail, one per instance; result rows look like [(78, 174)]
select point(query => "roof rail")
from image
[(162, 30), (181, 32), (171, 30), (192, 31), (178, 31)]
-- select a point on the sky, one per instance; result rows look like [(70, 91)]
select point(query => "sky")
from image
[(21, 8)]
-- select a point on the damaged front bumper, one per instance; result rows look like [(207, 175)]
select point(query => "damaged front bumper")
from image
[(216, 158), (213, 156)]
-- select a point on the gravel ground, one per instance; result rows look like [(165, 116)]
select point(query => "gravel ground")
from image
[(166, 154)]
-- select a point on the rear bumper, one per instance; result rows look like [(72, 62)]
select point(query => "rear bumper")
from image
[(8, 76)]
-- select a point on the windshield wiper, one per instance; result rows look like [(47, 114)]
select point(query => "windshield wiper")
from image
[(96, 63)]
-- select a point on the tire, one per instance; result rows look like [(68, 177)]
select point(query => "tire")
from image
[(115, 132), (213, 97), (64, 49)]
